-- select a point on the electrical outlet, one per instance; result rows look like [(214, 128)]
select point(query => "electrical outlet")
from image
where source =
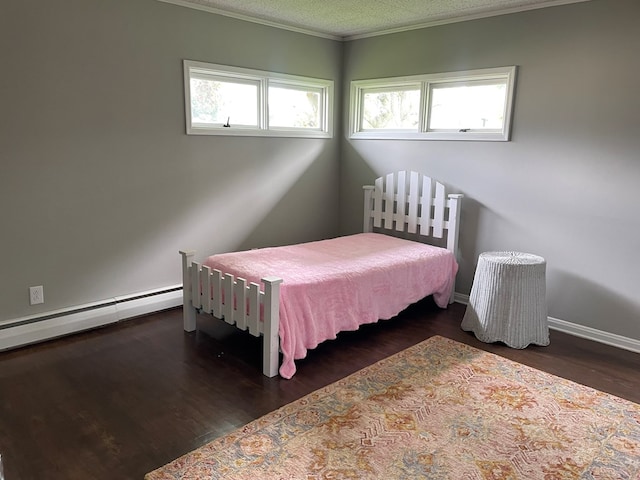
[(36, 295)]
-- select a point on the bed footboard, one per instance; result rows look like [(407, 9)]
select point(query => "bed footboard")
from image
[(234, 301)]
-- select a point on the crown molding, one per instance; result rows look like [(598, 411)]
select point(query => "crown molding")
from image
[(463, 18), (345, 38), (247, 18)]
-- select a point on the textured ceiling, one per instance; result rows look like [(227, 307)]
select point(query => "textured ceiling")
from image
[(353, 18)]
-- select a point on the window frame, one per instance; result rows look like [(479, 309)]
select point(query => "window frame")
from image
[(359, 88), (263, 79)]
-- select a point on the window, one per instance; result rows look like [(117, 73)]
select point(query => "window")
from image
[(222, 100), (471, 105), (293, 106), (214, 100), (391, 108)]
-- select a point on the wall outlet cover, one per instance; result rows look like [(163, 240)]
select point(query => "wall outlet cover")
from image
[(36, 295)]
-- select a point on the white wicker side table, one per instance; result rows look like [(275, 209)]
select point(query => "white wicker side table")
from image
[(508, 300)]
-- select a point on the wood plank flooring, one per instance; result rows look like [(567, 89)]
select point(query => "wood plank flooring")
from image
[(117, 402)]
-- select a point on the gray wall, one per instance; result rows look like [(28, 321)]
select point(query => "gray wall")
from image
[(566, 186), (99, 184)]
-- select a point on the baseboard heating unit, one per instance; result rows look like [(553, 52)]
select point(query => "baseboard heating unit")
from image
[(48, 325)]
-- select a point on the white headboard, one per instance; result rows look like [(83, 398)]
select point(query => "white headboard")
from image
[(413, 203)]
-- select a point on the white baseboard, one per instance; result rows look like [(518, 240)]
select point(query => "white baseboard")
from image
[(48, 325), (581, 331), (600, 336), (130, 306), (460, 298)]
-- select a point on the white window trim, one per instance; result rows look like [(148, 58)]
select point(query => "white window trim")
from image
[(263, 79), (359, 87)]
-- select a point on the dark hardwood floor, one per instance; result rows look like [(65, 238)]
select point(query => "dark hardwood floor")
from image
[(117, 402)]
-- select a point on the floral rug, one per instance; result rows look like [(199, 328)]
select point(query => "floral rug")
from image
[(438, 410)]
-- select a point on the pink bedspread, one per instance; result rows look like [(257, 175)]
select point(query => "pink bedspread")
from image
[(338, 284)]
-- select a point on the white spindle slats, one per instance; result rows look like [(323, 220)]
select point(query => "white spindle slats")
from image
[(377, 202), (454, 219), (411, 203), (368, 207), (389, 201), (438, 211), (196, 294), (237, 303), (205, 281), (254, 309), (414, 201), (240, 303), (424, 215), (227, 304), (216, 290), (401, 201)]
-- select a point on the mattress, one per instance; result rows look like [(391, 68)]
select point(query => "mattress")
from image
[(338, 284)]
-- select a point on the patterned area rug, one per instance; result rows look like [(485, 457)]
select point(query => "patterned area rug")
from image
[(438, 410)]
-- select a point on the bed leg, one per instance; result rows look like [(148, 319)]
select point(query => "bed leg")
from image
[(455, 209), (188, 310), (270, 347)]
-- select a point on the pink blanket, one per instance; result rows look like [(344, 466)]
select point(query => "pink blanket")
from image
[(339, 284)]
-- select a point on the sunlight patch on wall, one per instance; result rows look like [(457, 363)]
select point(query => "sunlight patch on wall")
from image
[(223, 216)]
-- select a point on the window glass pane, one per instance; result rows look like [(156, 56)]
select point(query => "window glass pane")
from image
[(219, 102), (294, 108), (471, 106), (396, 109)]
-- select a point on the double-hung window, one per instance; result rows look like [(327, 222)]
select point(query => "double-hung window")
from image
[(223, 100), (470, 105)]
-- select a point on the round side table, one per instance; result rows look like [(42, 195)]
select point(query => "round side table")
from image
[(508, 300)]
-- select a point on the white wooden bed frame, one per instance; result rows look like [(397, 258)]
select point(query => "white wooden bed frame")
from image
[(407, 202)]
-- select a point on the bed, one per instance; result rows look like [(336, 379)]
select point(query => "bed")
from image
[(297, 296)]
